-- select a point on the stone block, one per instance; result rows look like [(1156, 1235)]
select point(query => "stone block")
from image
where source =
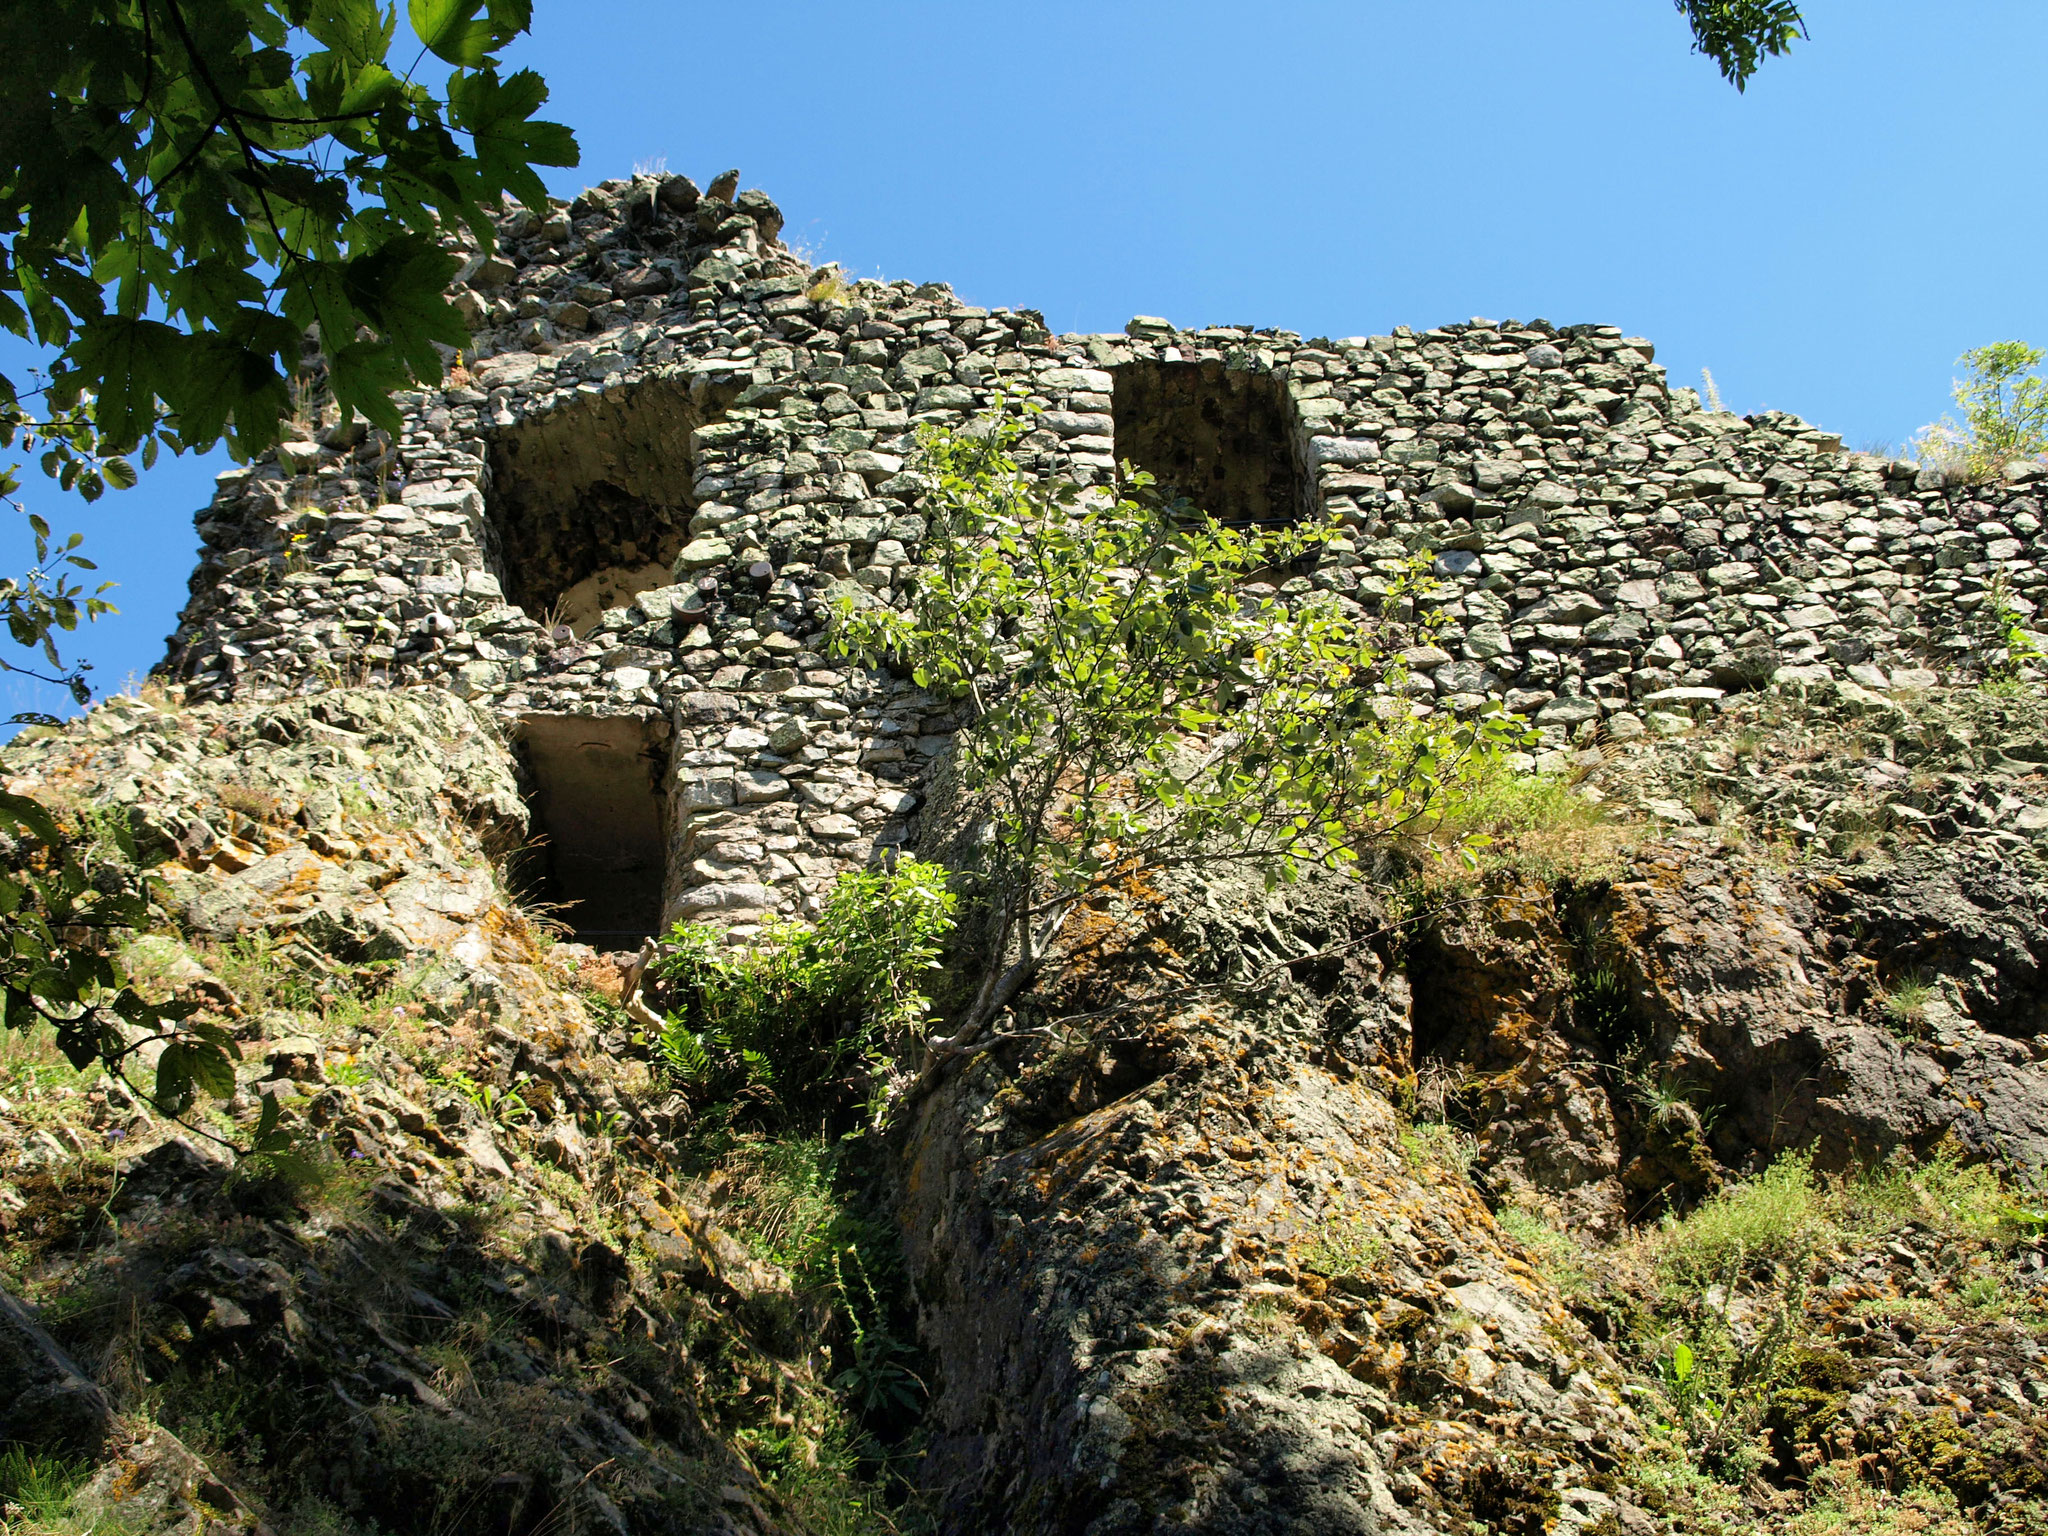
[(702, 554), (1342, 450), (1456, 562), (1567, 711), (758, 786), (666, 602), (723, 900), (1685, 697), (703, 792)]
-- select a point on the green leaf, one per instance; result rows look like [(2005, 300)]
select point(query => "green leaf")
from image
[(220, 381), (498, 115), (20, 811), (452, 30), (211, 1069), (363, 376), (173, 1093), (266, 1120), (371, 88), (401, 288), (359, 30), (127, 364)]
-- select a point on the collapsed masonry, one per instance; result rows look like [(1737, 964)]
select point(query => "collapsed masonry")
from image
[(625, 523)]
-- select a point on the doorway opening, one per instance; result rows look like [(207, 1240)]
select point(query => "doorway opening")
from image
[(600, 842)]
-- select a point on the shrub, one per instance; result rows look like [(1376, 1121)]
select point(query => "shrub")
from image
[(1846, 1506), (1345, 1243), (1435, 1143), (2005, 410), (1964, 1200), (1534, 822), (812, 1011), (1145, 698)]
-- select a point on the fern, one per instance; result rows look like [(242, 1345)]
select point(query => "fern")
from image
[(684, 1054)]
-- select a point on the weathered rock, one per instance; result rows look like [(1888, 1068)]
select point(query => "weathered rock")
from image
[(1091, 1225)]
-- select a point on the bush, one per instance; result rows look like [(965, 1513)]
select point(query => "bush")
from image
[(1143, 696), (1534, 823), (813, 1013), (1963, 1200)]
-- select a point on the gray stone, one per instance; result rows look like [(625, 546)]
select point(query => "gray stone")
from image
[(703, 792), (1682, 696), (757, 786), (701, 554), (723, 900), (1567, 712), (1342, 450), (1457, 562)]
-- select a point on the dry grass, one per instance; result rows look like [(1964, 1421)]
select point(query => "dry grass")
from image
[(1535, 824)]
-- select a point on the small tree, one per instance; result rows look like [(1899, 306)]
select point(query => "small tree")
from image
[(1140, 704), (2005, 414), (2004, 401)]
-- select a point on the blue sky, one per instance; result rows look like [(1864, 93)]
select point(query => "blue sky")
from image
[(1826, 243)]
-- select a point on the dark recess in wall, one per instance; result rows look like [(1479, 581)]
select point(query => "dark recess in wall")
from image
[(1222, 438), (590, 503), (601, 847)]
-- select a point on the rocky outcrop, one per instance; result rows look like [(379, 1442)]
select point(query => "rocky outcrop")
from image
[(1180, 1274), (1630, 1044), (490, 1310), (1223, 1228)]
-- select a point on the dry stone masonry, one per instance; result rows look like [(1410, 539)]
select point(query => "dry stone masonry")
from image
[(624, 521)]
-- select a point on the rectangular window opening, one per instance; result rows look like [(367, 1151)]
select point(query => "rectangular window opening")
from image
[(1224, 438), (590, 503)]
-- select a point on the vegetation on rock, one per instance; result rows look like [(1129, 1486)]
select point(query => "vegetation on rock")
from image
[(2005, 414)]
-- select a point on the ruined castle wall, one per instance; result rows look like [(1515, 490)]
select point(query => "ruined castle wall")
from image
[(677, 444)]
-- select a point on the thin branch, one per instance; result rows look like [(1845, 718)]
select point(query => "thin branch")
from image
[(234, 126)]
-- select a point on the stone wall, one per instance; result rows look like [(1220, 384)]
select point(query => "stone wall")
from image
[(677, 443)]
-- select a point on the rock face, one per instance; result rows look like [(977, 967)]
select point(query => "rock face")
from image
[(1748, 993), (1180, 1275), (446, 1332), (1184, 1268), (1185, 1248)]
